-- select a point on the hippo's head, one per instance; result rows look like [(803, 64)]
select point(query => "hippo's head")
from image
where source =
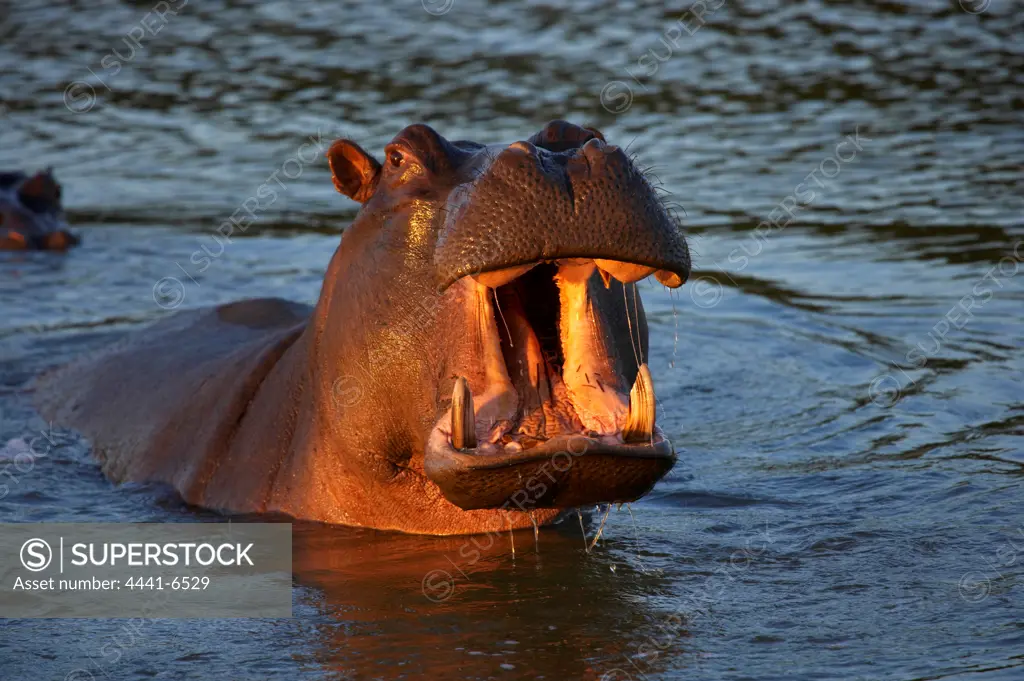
[(482, 314), (31, 215)]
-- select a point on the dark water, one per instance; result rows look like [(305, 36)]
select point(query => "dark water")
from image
[(844, 388)]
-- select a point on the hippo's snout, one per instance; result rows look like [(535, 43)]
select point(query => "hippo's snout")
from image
[(544, 243), (528, 204)]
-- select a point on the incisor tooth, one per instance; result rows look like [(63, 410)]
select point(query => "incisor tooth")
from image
[(670, 279), (463, 419), (497, 278), (626, 272), (640, 424)]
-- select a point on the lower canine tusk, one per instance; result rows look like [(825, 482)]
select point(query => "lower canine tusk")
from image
[(640, 424), (463, 418)]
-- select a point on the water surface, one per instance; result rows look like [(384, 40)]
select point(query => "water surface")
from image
[(844, 387)]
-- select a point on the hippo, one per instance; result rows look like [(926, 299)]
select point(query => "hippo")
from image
[(31, 215), (475, 362)]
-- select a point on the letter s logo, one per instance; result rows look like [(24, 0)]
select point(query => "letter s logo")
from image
[(36, 555)]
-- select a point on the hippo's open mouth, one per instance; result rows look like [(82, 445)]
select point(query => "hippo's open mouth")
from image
[(559, 418)]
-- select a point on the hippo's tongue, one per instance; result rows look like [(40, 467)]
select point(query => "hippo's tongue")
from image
[(594, 384), (534, 365)]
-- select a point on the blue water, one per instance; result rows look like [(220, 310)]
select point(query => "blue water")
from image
[(844, 387)]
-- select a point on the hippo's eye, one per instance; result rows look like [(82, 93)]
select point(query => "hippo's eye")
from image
[(395, 158)]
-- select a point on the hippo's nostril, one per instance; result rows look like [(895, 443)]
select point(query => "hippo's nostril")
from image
[(524, 147), (594, 149)]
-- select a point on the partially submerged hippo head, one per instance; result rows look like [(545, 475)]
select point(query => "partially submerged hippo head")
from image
[(490, 292), (31, 215), (476, 360)]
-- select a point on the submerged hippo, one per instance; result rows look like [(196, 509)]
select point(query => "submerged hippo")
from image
[(475, 360), (31, 215)]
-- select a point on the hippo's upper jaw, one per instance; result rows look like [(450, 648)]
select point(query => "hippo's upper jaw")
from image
[(535, 248), (526, 205)]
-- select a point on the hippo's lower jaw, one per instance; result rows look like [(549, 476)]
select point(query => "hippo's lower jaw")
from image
[(553, 415), (563, 472)]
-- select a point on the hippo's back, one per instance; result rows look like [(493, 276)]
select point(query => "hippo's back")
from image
[(158, 403)]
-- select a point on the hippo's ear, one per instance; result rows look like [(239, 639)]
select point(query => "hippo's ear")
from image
[(354, 171)]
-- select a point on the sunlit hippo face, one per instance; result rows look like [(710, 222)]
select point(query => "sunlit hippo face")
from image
[(494, 288)]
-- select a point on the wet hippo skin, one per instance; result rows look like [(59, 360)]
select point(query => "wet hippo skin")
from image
[(475, 361)]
